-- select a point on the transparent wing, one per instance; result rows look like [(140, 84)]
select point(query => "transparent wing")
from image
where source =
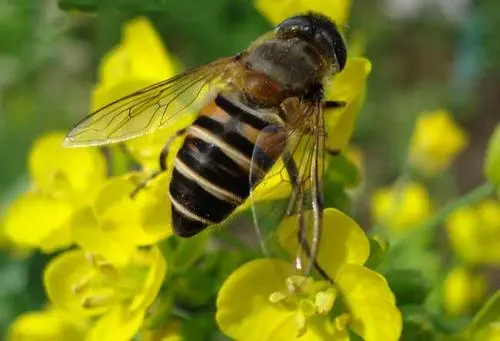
[(293, 189), (150, 108)]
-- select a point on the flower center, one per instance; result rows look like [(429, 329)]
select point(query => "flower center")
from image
[(106, 285), (307, 298)]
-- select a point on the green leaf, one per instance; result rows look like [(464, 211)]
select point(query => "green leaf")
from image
[(189, 250), (492, 165), (409, 286), (336, 197), (130, 5), (378, 250), (489, 313), (341, 170), (417, 331), (195, 288), (80, 5), (417, 324)]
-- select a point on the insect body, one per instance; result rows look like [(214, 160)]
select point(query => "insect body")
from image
[(266, 104)]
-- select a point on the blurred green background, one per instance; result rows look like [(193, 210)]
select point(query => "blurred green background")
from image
[(425, 55)]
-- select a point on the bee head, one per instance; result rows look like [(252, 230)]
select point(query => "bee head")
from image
[(320, 31)]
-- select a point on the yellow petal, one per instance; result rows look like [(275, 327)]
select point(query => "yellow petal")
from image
[(147, 55), (139, 61), (242, 319), (146, 149), (153, 281), (255, 317), (474, 232), (401, 208), (39, 221), (370, 302), (62, 275), (348, 86), (74, 172), (462, 291), (436, 141), (91, 237), (342, 240), (143, 219), (276, 11), (118, 325), (46, 325)]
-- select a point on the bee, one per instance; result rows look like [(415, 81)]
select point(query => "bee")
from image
[(259, 106)]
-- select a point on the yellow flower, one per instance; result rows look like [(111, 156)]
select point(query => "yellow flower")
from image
[(64, 180), (286, 305), (348, 86), (401, 208), (50, 324), (276, 11), (139, 60), (474, 232), (436, 141), (463, 290), (117, 223), (86, 284)]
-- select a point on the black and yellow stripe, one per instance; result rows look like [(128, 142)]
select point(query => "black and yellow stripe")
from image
[(211, 170)]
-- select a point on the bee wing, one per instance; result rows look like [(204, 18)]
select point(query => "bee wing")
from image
[(149, 109), (293, 189)]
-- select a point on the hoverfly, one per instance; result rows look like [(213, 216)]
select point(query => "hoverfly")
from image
[(265, 104)]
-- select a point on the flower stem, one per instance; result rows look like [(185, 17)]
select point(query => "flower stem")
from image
[(473, 197)]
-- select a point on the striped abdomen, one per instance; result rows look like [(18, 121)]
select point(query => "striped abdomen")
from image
[(211, 170)]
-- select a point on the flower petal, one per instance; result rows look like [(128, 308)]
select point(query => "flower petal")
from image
[(370, 302), (118, 325), (147, 54), (348, 86), (239, 318), (39, 221), (153, 281), (90, 236), (50, 324), (139, 61), (255, 317), (71, 172), (342, 240), (60, 277), (145, 217), (276, 11)]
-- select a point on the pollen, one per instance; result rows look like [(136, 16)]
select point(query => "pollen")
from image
[(277, 296), (324, 300)]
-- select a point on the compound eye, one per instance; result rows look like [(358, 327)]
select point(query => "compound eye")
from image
[(293, 23)]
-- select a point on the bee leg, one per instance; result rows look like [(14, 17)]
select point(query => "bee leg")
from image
[(296, 200), (162, 161), (293, 173), (334, 104)]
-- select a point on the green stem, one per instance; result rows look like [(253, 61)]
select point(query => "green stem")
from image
[(476, 195)]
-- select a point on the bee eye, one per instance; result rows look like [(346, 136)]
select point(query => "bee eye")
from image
[(307, 29)]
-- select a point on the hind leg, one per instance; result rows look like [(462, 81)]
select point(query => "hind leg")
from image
[(162, 162)]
